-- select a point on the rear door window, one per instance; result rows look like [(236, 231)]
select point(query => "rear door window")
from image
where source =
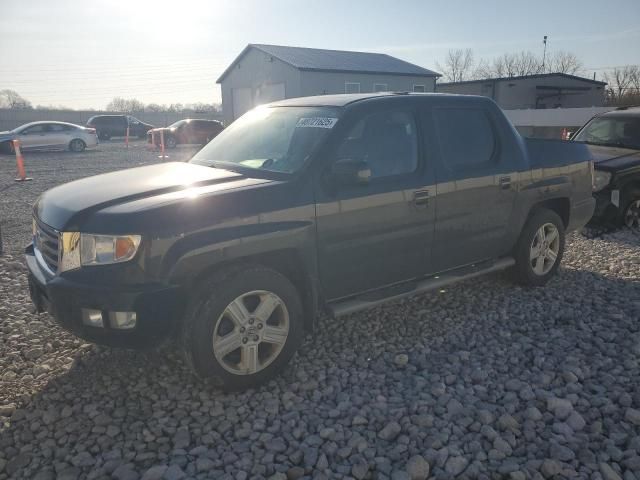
[(55, 127), (467, 138)]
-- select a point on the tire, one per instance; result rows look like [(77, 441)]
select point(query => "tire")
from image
[(7, 148), (76, 145), (630, 211), (528, 270), (104, 136), (212, 310)]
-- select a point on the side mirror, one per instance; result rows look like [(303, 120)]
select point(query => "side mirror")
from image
[(349, 171)]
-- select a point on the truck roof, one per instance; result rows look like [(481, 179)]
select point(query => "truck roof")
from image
[(344, 99)]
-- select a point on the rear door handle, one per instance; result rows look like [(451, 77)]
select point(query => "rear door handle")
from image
[(421, 197), (505, 182)]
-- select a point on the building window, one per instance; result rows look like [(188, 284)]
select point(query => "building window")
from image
[(380, 87), (351, 87), (418, 88)]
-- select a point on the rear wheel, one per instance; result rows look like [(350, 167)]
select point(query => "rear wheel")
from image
[(540, 248), (243, 326), (631, 209), (77, 145)]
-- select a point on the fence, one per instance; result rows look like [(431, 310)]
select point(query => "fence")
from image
[(10, 119), (549, 123)]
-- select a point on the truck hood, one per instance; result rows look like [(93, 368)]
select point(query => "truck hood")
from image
[(614, 158), (67, 206)]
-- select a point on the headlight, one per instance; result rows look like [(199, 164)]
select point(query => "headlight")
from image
[(600, 180), (82, 249)]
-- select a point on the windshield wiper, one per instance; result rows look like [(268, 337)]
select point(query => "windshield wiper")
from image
[(234, 167)]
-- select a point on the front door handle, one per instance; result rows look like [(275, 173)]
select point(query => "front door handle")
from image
[(421, 197), (505, 182)]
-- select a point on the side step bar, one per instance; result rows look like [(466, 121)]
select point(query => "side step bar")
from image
[(366, 301)]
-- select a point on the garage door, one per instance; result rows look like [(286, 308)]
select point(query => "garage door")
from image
[(242, 101), (269, 93)]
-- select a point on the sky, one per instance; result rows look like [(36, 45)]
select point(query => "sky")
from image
[(82, 53)]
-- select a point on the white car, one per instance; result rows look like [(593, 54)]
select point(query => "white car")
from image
[(52, 135)]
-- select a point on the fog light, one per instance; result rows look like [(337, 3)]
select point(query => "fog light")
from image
[(122, 320), (93, 318)]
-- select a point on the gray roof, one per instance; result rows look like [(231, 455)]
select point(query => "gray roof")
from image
[(320, 60), (524, 77)]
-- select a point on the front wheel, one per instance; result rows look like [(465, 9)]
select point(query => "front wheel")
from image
[(243, 326), (631, 209), (540, 248)]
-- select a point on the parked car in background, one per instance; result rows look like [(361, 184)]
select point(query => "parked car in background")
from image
[(5, 141), (49, 135), (109, 126), (614, 140), (186, 131), (333, 203)]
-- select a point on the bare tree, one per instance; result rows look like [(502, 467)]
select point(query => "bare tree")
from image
[(12, 99), (526, 63), (563, 62), (510, 65), (119, 104), (458, 65), (155, 107), (623, 85)]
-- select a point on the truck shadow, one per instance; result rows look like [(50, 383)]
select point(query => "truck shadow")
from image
[(113, 394)]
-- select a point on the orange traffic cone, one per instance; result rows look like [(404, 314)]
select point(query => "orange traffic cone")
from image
[(22, 176), (162, 154)]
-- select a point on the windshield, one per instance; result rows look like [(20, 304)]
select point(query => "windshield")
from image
[(178, 124), (278, 139), (612, 132)]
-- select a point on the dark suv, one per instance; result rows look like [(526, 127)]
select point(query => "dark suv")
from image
[(614, 140), (188, 131), (332, 203), (108, 126)]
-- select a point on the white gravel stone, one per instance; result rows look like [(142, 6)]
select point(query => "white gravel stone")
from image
[(499, 377)]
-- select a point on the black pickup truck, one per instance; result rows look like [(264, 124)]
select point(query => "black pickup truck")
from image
[(614, 141), (330, 203)]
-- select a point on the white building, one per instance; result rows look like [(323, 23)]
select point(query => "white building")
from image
[(265, 73)]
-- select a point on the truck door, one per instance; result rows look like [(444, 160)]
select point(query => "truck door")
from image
[(378, 233), (475, 193)]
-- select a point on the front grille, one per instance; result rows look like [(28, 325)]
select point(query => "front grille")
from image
[(46, 242)]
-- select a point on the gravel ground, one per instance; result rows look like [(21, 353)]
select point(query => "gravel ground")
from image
[(481, 380), (49, 169)]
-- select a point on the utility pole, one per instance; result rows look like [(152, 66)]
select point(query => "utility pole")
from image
[(544, 53)]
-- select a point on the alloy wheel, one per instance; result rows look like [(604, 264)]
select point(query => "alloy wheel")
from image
[(545, 247), (251, 332), (632, 214), (77, 145)]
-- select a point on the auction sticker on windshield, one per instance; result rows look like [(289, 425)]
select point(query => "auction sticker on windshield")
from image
[(317, 122)]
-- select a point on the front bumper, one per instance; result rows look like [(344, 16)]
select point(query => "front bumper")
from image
[(158, 308)]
